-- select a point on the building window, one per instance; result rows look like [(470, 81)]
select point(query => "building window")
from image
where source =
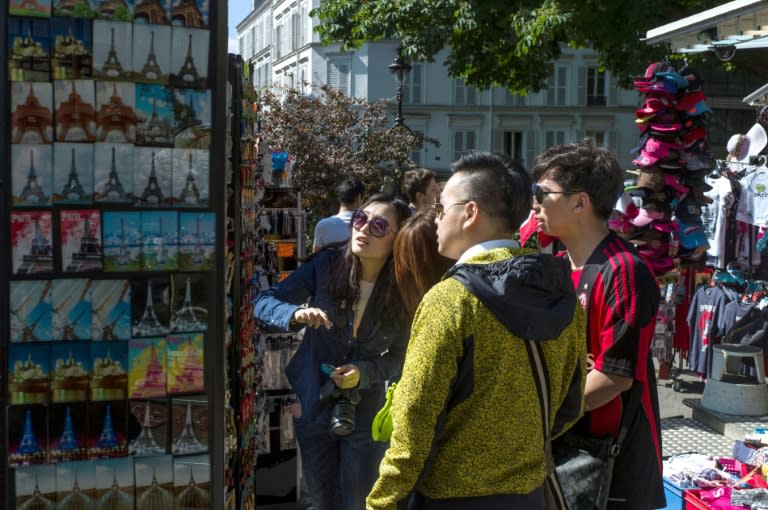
[(464, 141), (513, 99), (464, 94), (279, 41), (513, 144), (556, 87), (413, 85), (339, 74), (596, 93), (552, 138), (303, 21), (242, 45), (295, 31), (597, 137)]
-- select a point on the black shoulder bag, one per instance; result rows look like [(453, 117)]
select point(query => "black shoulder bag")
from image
[(579, 468)]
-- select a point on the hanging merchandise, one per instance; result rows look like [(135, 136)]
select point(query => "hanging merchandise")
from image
[(661, 211)]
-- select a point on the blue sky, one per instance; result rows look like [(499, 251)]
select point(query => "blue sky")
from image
[(237, 11)]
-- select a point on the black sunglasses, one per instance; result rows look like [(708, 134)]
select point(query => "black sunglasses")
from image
[(378, 226), (539, 193)]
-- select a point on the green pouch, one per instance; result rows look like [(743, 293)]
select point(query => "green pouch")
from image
[(381, 428)]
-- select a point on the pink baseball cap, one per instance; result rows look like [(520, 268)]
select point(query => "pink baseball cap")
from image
[(653, 151)]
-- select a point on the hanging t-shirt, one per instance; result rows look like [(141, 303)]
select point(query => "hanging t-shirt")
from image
[(714, 218), (704, 321), (733, 313), (753, 202)]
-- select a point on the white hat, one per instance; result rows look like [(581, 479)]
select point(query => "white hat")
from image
[(742, 147)]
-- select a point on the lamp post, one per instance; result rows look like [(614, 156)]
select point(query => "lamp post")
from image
[(399, 68)]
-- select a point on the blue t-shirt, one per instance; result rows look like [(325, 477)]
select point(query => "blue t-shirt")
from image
[(332, 229)]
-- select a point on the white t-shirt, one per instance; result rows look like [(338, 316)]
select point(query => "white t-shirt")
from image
[(366, 289), (714, 218), (753, 202)]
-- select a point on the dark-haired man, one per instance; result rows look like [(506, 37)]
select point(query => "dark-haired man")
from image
[(335, 229), (420, 186), (468, 426), (576, 188)]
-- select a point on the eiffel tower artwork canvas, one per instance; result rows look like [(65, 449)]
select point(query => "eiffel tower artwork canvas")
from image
[(74, 485), (114, 10), (190, 13), (31, 175), (122, 241), (115, 118), (72, 56), (192, 114), (75, 103), (114, 484), (113, 172), (29, 56), (112, 311), (112, 47), (152, 176), (147, 427), (146, 367), (189, 431), (151, 53), (35, 487), (154, 482), (68, 432), (31, 311), (192, 482), (154, 108), (31, 242), (32, 8), (191, 177), (189, 310), (160, 240), (27, 435), (31, 112), (71, 301), (81, 249), (189, 58), (29, 375), (197, 241), (70, 371), (73, 9), (73, 179), (107, 435), (152, 12), (150, 307), (186, 364)]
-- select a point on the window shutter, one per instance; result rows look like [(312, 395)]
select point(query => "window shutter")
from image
[(530, 149), (458, 89), (562, 81), (415, 91), (288, 34), (612, 96), (470, 139), (551, 90), (471, 95), (581, 88)]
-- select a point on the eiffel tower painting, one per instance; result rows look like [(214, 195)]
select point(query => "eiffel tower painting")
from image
[(116, 121), (39, 257), (88, 256), (113, 190), (112, 68), (145, 443), (32, 193), (32, 116), (188, 74), (151, 71), (185, 318), (76, 116), (153, 193), (69, 446), (190, 195), (149, 325), (73, 191), (187, 441), (157, 130), (150, 11)]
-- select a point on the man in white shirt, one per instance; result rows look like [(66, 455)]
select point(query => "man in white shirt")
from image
[(335, 228)]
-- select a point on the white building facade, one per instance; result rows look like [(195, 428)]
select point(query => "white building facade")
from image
[(581, 101)]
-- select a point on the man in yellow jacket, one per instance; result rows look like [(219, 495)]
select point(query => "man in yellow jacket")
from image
[(467, 420)]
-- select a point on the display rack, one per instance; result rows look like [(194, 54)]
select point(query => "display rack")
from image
[(113, 289)]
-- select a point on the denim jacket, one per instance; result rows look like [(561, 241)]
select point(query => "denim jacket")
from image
[(378, 351)]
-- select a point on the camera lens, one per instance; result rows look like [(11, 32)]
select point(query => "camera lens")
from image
[(343, 418)]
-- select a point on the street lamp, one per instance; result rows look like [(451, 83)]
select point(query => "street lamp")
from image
[(399, 68)]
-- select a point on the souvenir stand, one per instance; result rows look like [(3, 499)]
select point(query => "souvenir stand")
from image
[(112, 291), (265, 230)]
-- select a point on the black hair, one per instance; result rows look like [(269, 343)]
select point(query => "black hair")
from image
[(348, 190), (583, 166), (499, 184)]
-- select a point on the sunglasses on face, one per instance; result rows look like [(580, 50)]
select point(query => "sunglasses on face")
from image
[(539, 193), (440, 208), (378, 226)]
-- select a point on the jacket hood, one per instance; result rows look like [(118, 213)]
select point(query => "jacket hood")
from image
[(531, 294)]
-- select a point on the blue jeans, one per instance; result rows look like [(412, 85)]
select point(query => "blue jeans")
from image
[(339, 471)]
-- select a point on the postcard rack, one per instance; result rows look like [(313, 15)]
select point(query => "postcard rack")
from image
[(112, 303)]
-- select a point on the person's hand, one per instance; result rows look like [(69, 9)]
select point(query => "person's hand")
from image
[(346, 376), (312, 317)]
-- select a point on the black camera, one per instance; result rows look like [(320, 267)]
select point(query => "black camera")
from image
[(344, 408)]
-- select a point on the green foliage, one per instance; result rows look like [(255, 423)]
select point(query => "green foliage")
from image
[(508, 43), (333, 137)]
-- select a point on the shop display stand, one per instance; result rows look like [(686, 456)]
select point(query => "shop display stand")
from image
[(40, 426)]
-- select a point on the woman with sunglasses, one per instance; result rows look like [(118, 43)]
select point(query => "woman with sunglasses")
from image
[(356, 339)]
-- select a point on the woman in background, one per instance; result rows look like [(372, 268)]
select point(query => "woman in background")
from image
[(355, 342)]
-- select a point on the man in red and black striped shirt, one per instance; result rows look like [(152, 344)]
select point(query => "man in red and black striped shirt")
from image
[(576, 187)]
